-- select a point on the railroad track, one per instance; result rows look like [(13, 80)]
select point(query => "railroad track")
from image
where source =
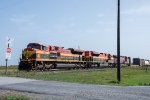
[(57, 69), (72, 69)]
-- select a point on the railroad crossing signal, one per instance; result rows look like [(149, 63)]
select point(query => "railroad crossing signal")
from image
[(8, 53), (8, 50)]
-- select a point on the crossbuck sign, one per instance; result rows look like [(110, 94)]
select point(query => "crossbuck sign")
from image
[(8, 53)]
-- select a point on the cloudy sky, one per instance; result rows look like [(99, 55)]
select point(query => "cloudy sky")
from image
[(90, 24)]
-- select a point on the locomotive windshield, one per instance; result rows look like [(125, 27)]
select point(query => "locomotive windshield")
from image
[(34, 46)]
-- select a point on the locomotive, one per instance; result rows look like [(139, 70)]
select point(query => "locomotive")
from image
[(41, 57)]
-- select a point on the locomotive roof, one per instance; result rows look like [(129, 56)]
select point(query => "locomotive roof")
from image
[(36, 44), (94, 52), (77, 50)]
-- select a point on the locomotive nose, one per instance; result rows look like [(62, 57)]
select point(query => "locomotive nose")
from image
[(27, 53)]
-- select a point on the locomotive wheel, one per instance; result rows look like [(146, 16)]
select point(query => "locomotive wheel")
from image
[(29, 68), (77, 66), (55, 66), (98, 65), (109, 65), (20, 67)]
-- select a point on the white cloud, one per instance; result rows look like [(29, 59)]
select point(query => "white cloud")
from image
[(25, 22), (139, 10), (100, 15), (64, 26), (109, 29), (22, 18), (72, 18), (106, 23), (91, 31)]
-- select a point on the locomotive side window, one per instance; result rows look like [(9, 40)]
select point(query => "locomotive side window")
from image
[(44, 56), (44, 48), (53, 55)]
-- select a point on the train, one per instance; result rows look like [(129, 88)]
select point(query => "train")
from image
[(141, 62), (37, 56)]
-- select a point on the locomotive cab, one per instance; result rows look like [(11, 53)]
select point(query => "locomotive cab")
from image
[(36, 46), (30, 55), (31, 51)]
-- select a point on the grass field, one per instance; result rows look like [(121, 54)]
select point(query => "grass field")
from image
[(14, 97), (129, 76)]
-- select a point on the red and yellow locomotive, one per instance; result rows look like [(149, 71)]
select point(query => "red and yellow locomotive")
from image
[(40, 57)]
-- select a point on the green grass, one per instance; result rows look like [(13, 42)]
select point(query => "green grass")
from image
[(13, 97), (9, 67), (129, 76)]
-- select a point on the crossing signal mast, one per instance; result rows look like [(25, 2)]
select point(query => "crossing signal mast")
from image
[(8, 51)]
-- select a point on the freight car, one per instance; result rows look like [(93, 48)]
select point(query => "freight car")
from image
[(141, 62), (40, 57)]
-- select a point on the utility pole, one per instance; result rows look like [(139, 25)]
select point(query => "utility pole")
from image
[(118, 42)]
